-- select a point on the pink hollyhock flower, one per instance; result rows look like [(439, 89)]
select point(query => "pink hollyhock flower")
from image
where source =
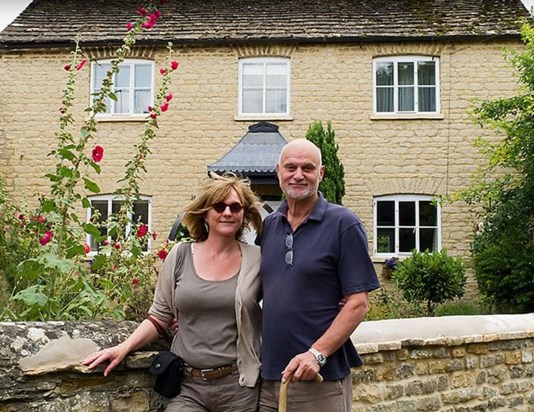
[(97, 153), (150, 108), (142, 11), (46, 238), (154, 235), (67, 67), (135, 281), (153, 115), (164, 107), (162, 70), (162, 2), (162, 254), (117, 245), (142, 230), (169, 97), (174, 64), (21, 217), (152, 19), (105, 242), (157, 14), (129, 26), (86, 248), (80, 65)]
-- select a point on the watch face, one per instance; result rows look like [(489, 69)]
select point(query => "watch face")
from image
[(321, 359)]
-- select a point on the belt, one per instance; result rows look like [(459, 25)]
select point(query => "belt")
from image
[(211, 373)]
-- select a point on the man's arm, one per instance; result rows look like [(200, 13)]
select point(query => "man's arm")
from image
[(304, 365)]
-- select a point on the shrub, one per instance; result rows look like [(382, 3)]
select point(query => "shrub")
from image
[(387, 303), (431, 277)]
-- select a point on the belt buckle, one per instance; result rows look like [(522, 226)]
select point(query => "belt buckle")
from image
[(204, 378)]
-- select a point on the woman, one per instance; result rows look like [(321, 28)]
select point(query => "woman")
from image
[(212, 285)]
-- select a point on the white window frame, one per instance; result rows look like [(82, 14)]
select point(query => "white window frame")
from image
[(404, 198), (132, 63), (406, 59), (114, 198), (264, 61)]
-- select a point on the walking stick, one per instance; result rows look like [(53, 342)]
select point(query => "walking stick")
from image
[(282, 400)]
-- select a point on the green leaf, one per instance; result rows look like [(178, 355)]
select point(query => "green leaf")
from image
[(95, 166), (32, 296), (67, 154), (91, 186), (86, 203), (100, 261), (48, 205), (65, 171), (76, 250), (84, 132), (112, 96), (30, 269), (91, 229)]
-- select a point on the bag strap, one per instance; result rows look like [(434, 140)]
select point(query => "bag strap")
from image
[(162, 332)]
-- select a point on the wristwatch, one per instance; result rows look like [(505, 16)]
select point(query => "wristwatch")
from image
[(319, 357)]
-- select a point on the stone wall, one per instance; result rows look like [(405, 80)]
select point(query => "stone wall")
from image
[(450, 364)]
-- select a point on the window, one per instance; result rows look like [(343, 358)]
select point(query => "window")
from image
[(133, 86), (106, 205), (406, 84), (264, 86), (404, 222)]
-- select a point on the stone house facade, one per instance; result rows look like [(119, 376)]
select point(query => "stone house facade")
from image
[(396, 80)]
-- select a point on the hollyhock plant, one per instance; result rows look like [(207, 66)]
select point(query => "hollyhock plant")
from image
[(86, 248), (46, 238), (162, 254), (80, 65), (97, 153), (135, 281)]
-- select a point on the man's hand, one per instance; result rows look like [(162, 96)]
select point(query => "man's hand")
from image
[(304, 367)]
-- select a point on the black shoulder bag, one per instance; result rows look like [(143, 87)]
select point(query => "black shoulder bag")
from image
[(167, 367)]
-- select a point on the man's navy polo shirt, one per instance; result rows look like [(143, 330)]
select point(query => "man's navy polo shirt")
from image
[(300, 301)]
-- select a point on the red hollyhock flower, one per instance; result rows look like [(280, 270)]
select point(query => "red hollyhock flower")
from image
[(174, 65), (67, 67), (142, 11), (164, 107), (153, 115), (162, 70), (86, 248), (169, 97), (97, 153), (21, 217), (152, 19), (135, 281), (105, 242), (129, 26), (162, 254), (117, 245), (46, 238), (154, 235), (80, 65), (142, 230)]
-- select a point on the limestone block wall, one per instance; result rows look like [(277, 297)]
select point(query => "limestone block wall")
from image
[(381, 156), (450, 364)]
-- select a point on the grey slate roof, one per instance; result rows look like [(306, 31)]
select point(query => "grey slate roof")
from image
[(56, 22), (255, 154)]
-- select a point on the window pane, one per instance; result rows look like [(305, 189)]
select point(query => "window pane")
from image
[(427, 99), (140, 212), (385, 240), (276, 75), (406, 99), (141, 101), (407, 214), (428, 215), (406, 239), (275, 101), (253, 75), (122, 78), (102, 207), (116, 205), (384, 99), (100, 74), (406, 74), (252, 101), (123, 101), (384, 74), (426, 73), (143, 75), (385, 213), (428, 240)]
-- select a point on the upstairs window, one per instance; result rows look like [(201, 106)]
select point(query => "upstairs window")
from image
[(406, 85), (133, 85), (405, 222), (106, 205), (264, 86)]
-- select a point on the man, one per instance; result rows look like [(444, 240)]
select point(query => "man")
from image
[(314, 254)]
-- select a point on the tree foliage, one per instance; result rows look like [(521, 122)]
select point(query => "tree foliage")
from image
[(431, 277), (503, 249), (333, 184)]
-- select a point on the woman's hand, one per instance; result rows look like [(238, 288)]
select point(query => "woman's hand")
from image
[(115, 355)]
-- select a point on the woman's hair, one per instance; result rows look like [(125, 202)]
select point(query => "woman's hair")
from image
[(216, 191)]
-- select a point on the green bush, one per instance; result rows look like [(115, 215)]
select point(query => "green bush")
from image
[(431, 277), (462, 308), (388, 303)]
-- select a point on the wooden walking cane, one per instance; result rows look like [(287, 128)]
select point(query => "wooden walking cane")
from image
[(282, 400)]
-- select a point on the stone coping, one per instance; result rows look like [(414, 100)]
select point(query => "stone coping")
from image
[(393, 334)]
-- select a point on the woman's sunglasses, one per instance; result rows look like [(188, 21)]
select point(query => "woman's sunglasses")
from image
[(220, 207)]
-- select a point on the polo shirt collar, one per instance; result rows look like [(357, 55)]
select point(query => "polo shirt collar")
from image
[(317, 213)]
